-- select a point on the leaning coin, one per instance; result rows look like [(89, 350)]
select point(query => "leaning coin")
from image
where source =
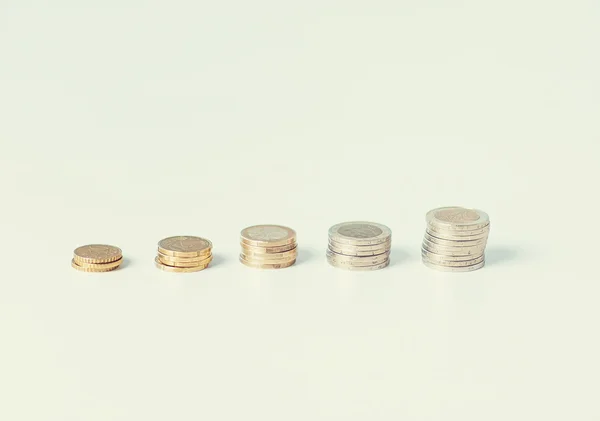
[(457, 235), (454, 263), (266, 250), (372, 247), (168, 268), (359, 233), (453, 269), (184, 246), (360, 268), (452, 251), (349, 251), (454, 243), (183, 264), (97, 253), (458, 218), (91, 269), (267, 265), (268, 235)]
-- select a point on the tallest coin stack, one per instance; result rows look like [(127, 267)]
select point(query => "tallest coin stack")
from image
[(455, 239)]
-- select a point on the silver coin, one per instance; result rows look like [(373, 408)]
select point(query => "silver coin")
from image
[(453, 269), (453, 263), (359, 251), (374, 247), (360, 268), (454, 243), (359, 233), (457, 235), (452, 251), (457, 218), (357, 261)]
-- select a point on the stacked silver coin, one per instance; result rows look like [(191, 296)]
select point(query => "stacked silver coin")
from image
[(359, 246), (455, 239)]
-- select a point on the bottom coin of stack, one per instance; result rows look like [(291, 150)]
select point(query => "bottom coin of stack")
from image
[(359, 246), (268, 247), (455, 239), (183, 254), (97, 258)]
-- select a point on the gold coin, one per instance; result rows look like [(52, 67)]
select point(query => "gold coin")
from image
[(267, 265), (267, 250), (172, 260), (180, 264), (184, 246), (270, 256), (91, 269), (97, 253), (111, 265), (266, 261), (175, 269), (268, 236)]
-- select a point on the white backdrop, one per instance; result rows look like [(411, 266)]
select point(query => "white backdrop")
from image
[(124, 122)]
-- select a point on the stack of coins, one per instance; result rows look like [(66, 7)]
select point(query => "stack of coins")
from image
[(97, 258), (455, 239), (359, 246), (183, 254), (268, 247)]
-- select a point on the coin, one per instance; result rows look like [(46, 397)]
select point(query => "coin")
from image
[(266, 261), (358, 253), (184, 264), (355, 260), (453, 269), (359, 233), (452, 237), (266, 250), (97, 253), (442, 242), (459, 234), (176, 269), (374, 247), (451, 260), (454, 251), (359, 268), (292, 254), (458, 218), (172, 260), (268, 235), (184, 246), (267, 265), (111, 265), (91, 269)]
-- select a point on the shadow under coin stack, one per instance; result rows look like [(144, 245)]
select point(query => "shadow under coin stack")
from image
[(268, 247), (97, 258), (359, 246), (183, 254), (455, 239)]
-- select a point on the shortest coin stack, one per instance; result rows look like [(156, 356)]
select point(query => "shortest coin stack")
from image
[(455, 239), (97, 258), (359, 246), (268, 247), (183, 254)]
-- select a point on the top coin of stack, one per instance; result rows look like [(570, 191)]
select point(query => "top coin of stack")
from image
[(183, 254), (268, 247), (455, 239), (359, 246), (97, 258)]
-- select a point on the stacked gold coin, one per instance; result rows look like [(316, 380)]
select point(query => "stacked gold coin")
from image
[(268, 247), (455, 239), (359, 246), (183, 254), (97, 258)]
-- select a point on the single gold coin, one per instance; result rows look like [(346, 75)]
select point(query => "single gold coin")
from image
[(268, 250), (181, 264), (184, 246), (270, 256), (111, 265), (175, 269), (97, 253), (267, 265), (92, 269), (172, 260), (268, 235)]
